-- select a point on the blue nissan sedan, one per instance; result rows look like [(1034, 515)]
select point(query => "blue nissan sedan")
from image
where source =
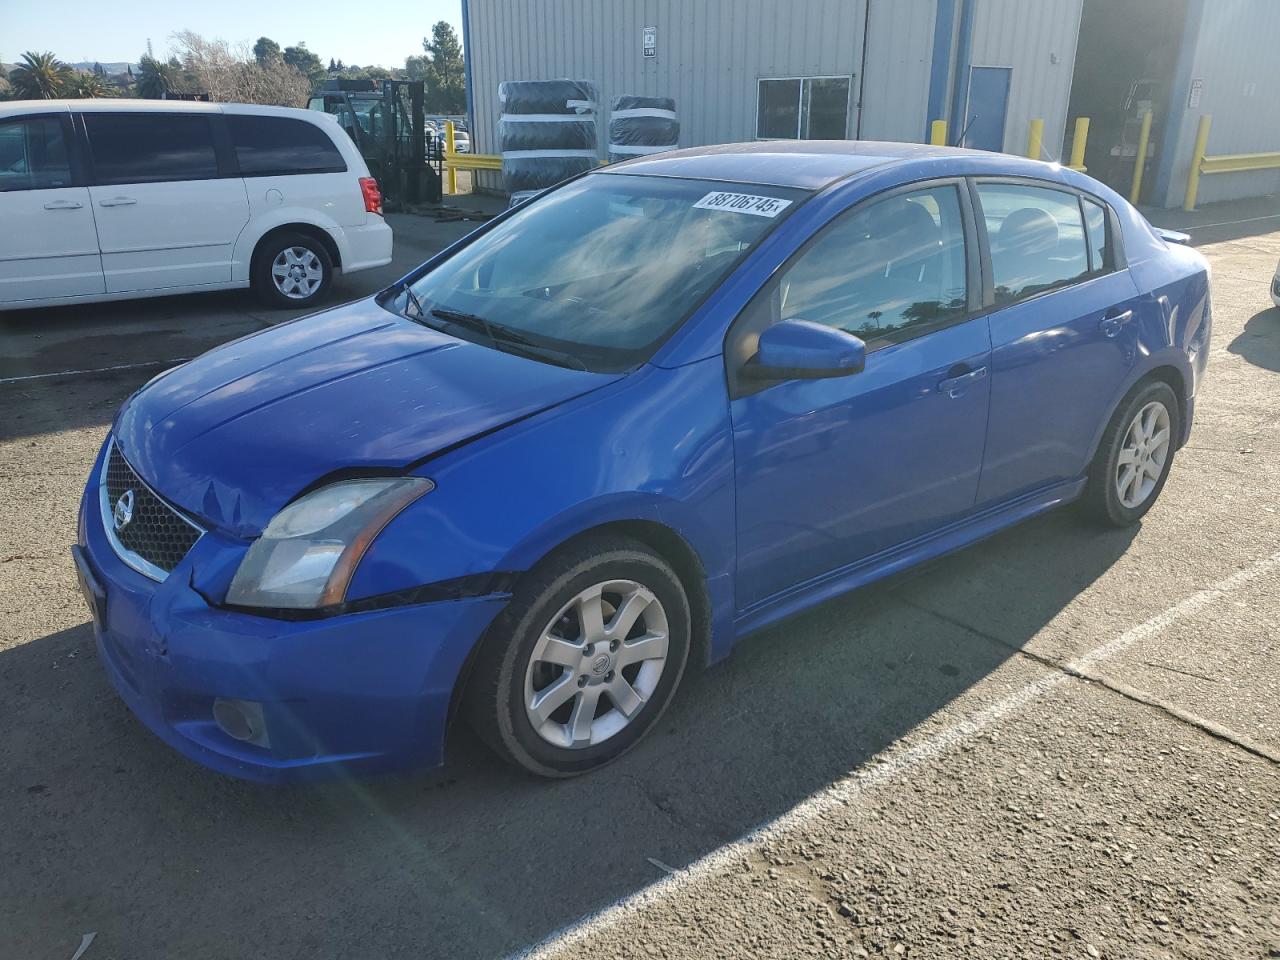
[(612, 431)]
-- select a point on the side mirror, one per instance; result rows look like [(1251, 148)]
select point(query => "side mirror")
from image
[(803, 350)]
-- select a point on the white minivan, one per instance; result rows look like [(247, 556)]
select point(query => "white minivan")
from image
[(113, 199)]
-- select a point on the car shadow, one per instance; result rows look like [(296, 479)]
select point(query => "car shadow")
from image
[(1259, 342), (107, 829)]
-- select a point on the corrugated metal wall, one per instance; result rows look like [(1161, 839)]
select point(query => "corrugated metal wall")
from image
[(1236, 56), (710, 55), (895, 93), (1038, 40)]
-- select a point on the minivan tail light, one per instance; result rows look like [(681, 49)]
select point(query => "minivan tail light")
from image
[(372, 195)]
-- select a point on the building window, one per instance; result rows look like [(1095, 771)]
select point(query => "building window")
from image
[(803, 108)]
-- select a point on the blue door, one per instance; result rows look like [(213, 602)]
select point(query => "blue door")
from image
[(987, 107), (1064, 335), (830, 472)]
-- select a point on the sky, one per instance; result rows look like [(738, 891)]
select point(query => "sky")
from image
[(355, 31)]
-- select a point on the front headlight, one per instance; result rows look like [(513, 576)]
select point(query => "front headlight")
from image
[(307, 554)]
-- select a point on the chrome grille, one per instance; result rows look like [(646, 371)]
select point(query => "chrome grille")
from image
[(155, 537)]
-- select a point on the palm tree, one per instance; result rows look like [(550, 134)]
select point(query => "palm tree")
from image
[(155, 78), (41, 76), (86, 86)]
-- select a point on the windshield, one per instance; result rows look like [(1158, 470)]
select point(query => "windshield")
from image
[(600, 270)]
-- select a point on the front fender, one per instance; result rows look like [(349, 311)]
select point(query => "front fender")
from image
[(655, 446)]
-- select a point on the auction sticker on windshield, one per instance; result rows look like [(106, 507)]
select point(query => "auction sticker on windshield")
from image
[(742, 203)]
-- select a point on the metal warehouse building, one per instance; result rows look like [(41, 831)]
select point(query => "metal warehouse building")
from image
[(884, 69)]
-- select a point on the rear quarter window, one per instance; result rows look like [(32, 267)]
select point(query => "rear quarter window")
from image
[(280, 146)]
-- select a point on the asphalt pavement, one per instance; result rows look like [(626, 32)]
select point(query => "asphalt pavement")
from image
[(1061, 742)]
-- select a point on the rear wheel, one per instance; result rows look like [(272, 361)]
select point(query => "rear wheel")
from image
[(291, 270), (1134, 457), (584, 660)]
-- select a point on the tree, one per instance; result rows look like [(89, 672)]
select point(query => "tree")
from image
[(303, 60), (237, 75), (40, 76), (445, 71), (155, 78), (266, 51), (98, 70), (86, 86)]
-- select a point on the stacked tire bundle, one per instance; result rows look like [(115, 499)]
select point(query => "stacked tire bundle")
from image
[(639, 126), (546, 132)]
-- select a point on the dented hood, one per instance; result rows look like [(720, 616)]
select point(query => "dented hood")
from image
[(237, 433)]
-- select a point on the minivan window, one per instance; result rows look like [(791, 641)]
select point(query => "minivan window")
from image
[(147, 147), (275, 146), (1036, 239), (33, 154), (601, 269), (885, 271)]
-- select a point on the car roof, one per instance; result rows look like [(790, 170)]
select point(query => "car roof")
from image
[(807, 164), (123, 105)]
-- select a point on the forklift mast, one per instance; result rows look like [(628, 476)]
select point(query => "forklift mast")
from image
[(386, 121)]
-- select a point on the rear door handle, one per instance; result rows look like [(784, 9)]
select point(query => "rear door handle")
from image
[(117, 202), (954, 387), (1113, 323), (63, 205)]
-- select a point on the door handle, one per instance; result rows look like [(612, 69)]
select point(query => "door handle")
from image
[(1112, 324), (955, 386), (117, 202), (63, 205)]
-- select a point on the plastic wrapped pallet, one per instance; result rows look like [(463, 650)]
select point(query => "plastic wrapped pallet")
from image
[(546, 131), (639, 126)]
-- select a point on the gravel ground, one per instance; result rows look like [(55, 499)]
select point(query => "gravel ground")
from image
[(945, 764)]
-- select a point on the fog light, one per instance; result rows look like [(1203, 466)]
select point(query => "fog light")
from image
[(241, 720)]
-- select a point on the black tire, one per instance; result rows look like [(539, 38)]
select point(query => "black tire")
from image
[(494, 703), (264, 258), (1101, 501)]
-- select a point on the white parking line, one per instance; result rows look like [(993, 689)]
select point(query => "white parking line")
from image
[(1227, 223), (73, 373), (894, 766)]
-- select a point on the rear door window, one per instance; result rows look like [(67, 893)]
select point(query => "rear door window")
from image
[(279, 146), (150, 147), (33, 154), (1036, 237)]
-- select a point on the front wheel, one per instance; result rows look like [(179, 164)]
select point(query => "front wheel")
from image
[(291, 270), (1134, 457), (584, 660)]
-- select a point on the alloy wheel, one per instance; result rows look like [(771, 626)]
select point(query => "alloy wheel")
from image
[(1143, 455), (596, 664)]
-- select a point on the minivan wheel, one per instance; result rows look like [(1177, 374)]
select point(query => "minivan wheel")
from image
[(1134, 457), (583, 660), (291, 270)]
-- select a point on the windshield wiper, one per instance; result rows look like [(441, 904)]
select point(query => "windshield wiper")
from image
[(498, 334), (477, 322)]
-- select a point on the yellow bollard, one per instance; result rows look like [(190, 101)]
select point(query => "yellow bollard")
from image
[(1140, 162), (1035, 139), (938, 133), (450, 147), (1197, 158), (1078, 142)]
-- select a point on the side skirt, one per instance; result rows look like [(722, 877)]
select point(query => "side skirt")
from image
[(954, 537)]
